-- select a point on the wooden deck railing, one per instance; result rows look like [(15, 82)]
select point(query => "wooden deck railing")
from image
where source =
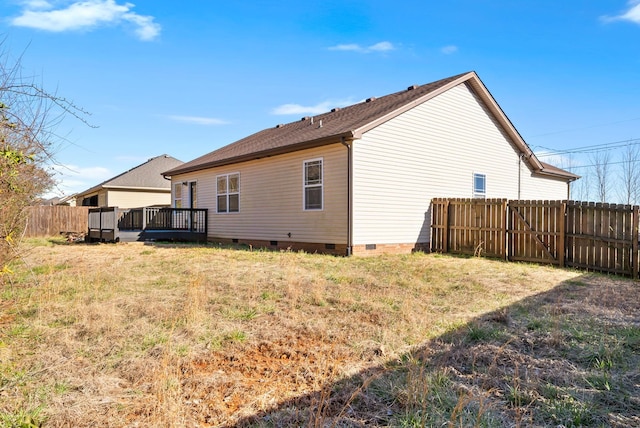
[(163, 219), (114, 224)]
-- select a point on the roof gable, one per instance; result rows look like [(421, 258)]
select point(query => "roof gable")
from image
[(146, 176), (351, 122)]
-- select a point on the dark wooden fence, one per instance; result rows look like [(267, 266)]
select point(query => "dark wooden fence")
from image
[(46, 220), (598, 237)]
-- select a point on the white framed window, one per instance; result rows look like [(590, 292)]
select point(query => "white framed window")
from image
[(313, 192), (177, 195), (228, 193), (479, 185)]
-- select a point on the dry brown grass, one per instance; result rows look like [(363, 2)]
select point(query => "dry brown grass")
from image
[(137, 335)]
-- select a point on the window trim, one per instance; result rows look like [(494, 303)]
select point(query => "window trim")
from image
[(227, 194), (176, 186), (192, 190), (306, 186), (477, 193)]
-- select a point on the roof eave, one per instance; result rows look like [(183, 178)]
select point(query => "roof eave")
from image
[(94, 189), (332, 139), (567, 176), (139, 188)]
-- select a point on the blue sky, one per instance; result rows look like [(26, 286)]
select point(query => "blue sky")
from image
[(184, 78)]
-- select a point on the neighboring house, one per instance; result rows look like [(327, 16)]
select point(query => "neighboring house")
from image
[(360, 179), (69, 201), (141, 186)]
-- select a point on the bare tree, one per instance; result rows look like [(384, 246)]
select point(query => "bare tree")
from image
[(601, 165), (581, 188), (630, 174), (29, 116)]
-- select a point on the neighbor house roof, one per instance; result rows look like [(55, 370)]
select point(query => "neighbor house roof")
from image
[(351, 123), (146, 176)]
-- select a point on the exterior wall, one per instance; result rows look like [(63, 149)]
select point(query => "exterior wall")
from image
[(536, 188), (431, 151), (271, 200), (137, 199)]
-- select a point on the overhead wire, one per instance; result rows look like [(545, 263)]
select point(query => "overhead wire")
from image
[(594, 148)]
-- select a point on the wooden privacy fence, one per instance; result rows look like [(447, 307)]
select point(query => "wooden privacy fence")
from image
[(44, 220), (598, 237)]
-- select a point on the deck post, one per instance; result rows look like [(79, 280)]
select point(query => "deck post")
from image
[(144, 218), (100, 223)]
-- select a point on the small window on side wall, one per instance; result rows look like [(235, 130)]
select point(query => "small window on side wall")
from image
[(479, 185)]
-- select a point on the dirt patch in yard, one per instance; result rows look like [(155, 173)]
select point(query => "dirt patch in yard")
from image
[(134, 335)]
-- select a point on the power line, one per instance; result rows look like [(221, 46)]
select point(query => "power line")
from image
[(590, 149), (585, 127), (570, 168)]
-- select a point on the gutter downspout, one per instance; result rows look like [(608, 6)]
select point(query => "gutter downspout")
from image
[(520, 174), (349, 146)]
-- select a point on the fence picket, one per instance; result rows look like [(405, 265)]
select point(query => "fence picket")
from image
[(45, 220), (599, 237)]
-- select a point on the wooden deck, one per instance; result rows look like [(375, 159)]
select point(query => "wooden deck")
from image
[(112, 224)]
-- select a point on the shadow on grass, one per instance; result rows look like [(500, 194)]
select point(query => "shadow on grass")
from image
[(567, 357)]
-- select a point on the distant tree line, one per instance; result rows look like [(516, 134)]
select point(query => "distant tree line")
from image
[(609, 175)]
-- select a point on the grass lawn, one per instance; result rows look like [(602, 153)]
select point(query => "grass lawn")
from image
[(150, 336)]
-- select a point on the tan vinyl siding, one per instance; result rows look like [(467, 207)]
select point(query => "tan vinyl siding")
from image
[(137, 199), (271, 199), (430, 151), (537, 188)]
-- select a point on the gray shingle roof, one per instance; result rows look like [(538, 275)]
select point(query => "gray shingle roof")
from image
[(311, 131), (349, 123), (147, 175)]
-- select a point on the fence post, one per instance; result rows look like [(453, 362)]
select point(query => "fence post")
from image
[(505, 230), (634, 242), (445, 230), (562, 233)]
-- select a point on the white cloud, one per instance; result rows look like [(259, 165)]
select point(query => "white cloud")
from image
[(353, 47), (323, 107), (198, 120), (84, 15), (381, 47), (349, 47), (73, 179), (300, 109), (632, 15), (450, 49)]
